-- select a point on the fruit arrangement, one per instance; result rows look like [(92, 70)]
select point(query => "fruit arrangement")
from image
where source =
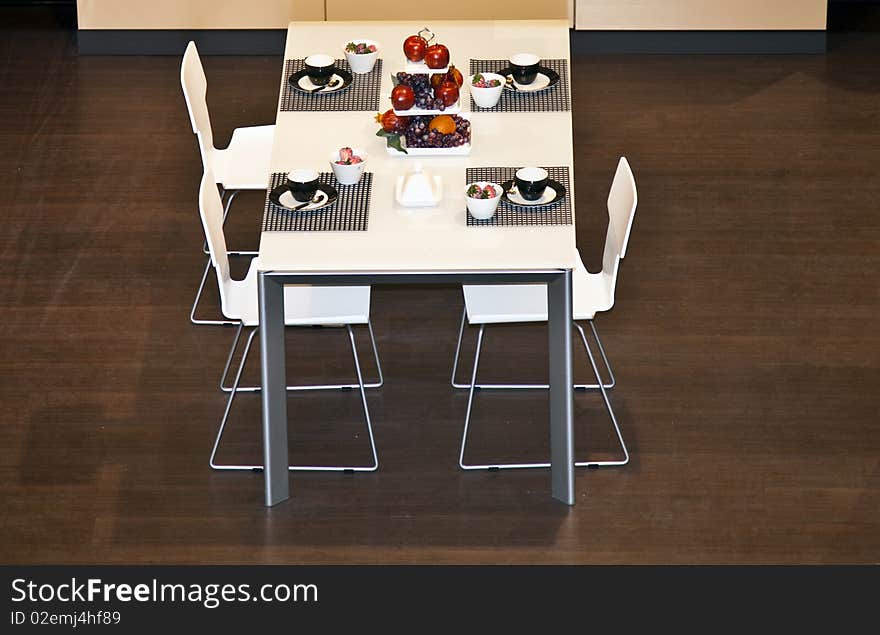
[(426, 92), (418, 48), (360, 48), (423, 131)]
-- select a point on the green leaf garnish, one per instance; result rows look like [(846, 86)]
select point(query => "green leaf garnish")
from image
[(392, 139)]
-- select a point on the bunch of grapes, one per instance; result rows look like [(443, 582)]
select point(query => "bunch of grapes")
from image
[(421, 85), (419, 135)]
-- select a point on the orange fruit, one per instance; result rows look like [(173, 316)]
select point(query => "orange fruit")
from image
[(444, 124)]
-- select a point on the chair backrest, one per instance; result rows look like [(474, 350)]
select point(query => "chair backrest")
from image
[(195, 90), (211, 211), (622, 202)]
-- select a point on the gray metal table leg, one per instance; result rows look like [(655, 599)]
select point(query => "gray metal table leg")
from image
[(274, 382), (274, 396), (559, 306)]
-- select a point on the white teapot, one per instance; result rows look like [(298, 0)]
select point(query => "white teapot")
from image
[(419, 188)]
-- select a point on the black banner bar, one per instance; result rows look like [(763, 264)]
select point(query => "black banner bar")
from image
[(228, 598)]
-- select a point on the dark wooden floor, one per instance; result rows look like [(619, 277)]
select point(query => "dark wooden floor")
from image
[(744, 336)]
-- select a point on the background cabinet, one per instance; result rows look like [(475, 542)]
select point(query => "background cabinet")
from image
[(275, 14), (626, 15), (447, 10), (699, 15), (195, 14)]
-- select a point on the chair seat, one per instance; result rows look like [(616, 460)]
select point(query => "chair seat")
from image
[(494, 304), (244, 164), (303, 305)]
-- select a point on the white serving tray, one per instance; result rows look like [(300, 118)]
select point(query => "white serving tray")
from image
[(421, 67), (454, 109), (462, 150)]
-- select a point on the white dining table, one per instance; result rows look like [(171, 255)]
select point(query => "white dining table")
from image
[(406, 245)]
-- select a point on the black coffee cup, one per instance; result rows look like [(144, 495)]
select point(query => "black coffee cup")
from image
[(531, 182), (319, 68), (524, 67), (303, 184)]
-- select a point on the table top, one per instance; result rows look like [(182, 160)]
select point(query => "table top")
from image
[(436, 239)]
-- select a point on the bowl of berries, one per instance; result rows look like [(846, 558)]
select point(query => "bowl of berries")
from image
[(482, 198), (486, 89), (348, 165), (361, 55)]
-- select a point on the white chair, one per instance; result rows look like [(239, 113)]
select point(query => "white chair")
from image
[(591, 293), (303, 306), (243, 165)]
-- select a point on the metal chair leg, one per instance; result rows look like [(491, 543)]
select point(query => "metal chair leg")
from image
[(223, 193), (225, 388), (458, 352), (231, 351), (610, 411), (192, 313), (298, 468), (613, 382), (225, 419), (467, 416), (232, 195), (512, 466), (381, 381), (610, 384)]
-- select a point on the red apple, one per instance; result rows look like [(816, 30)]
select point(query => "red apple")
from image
[(403, 97), (414, 47), (447, 92), (437, 56)]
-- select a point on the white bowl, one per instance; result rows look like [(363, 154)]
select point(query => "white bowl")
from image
[(364, 62), (487, 97), (348, 174), (483, 208)]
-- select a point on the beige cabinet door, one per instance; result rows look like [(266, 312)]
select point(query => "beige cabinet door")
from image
[(424, 12), (195, 14), (700, 14)]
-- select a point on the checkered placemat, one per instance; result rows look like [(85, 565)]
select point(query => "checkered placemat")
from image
[(362, 94), (350, 212), (511, 215), (554, 99)]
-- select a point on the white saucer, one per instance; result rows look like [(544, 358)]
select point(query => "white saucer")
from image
[(541, 82), (306, 84), (548, 196), (287, 200)]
